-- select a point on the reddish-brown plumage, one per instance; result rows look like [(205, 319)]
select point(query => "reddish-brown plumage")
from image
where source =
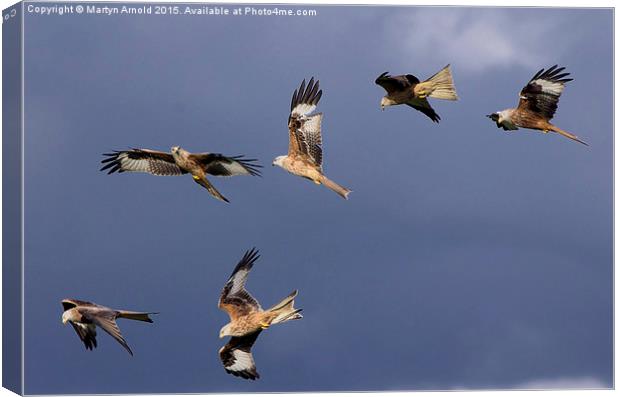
[(538, 101)]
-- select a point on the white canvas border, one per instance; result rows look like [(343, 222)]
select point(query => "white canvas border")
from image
[(508, 3)]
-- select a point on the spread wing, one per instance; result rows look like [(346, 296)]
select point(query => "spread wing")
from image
[(422, 105), (304, 130), (87, 334), (393, 84), (237, 357), (542, 92), (141, 160), (220, 165), (106, 319), (235, 300)]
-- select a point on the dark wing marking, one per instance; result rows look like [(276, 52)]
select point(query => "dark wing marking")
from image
[(423, 106), (234, 299), (87, 334), (393, 84), (412, 79), (542, 92), (71, 303), (106, 319), (304, 101), (220, 165), (237, 357), (141, 160), (310, 130)]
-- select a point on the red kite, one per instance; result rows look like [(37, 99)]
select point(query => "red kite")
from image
[(179, 162), (407, 89), (538, 102), (305, 154), (86, 316), (248, 319)]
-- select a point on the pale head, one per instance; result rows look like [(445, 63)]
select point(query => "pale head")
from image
[(225, 331), (66, 316), (178, 151), (500, 116), (279, 161), (385, 102), (494, 116), (503, 119)]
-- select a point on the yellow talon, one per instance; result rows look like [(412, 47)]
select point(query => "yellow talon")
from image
[(317, 182), (264, 325), (195, 177)]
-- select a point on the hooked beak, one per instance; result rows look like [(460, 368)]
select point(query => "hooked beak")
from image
[(64, 322)]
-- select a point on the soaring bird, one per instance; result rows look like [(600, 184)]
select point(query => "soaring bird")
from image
[(538, 102), (247, 319), (407, 89), (179, 162), (86, 316), (305, 154)]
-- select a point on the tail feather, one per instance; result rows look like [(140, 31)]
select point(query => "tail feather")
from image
[(342, 191), (440, 85), (284, 302), (568, 135), (294, 315), (207, 185), (285, 310), (139, 316)]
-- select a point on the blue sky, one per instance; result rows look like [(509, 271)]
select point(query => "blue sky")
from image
[(466, 257)]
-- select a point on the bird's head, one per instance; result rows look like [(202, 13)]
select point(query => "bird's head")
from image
[(178, 151), (385, 102), (497, 118), (494, 116), (503, 119), (278, 161), (225, 331)]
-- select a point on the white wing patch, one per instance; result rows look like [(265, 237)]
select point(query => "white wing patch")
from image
[(311, 130), (550, 87), (312, 125), (302, 109), (132, 165), (238, 281), (243, 361), (88, 328), (234, 169), (137, 160)]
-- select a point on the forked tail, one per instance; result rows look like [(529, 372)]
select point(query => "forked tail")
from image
[(139, 316), (439, 85), (568, 135), (207, 185), (342, 191), (285, 310)]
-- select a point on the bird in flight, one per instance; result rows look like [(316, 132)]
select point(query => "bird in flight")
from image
[(305, 152), (538, 102), (247, 319), (86, 316), (179, 161), (407, 89)]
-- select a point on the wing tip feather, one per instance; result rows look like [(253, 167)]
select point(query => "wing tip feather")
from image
[(307, 94)]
